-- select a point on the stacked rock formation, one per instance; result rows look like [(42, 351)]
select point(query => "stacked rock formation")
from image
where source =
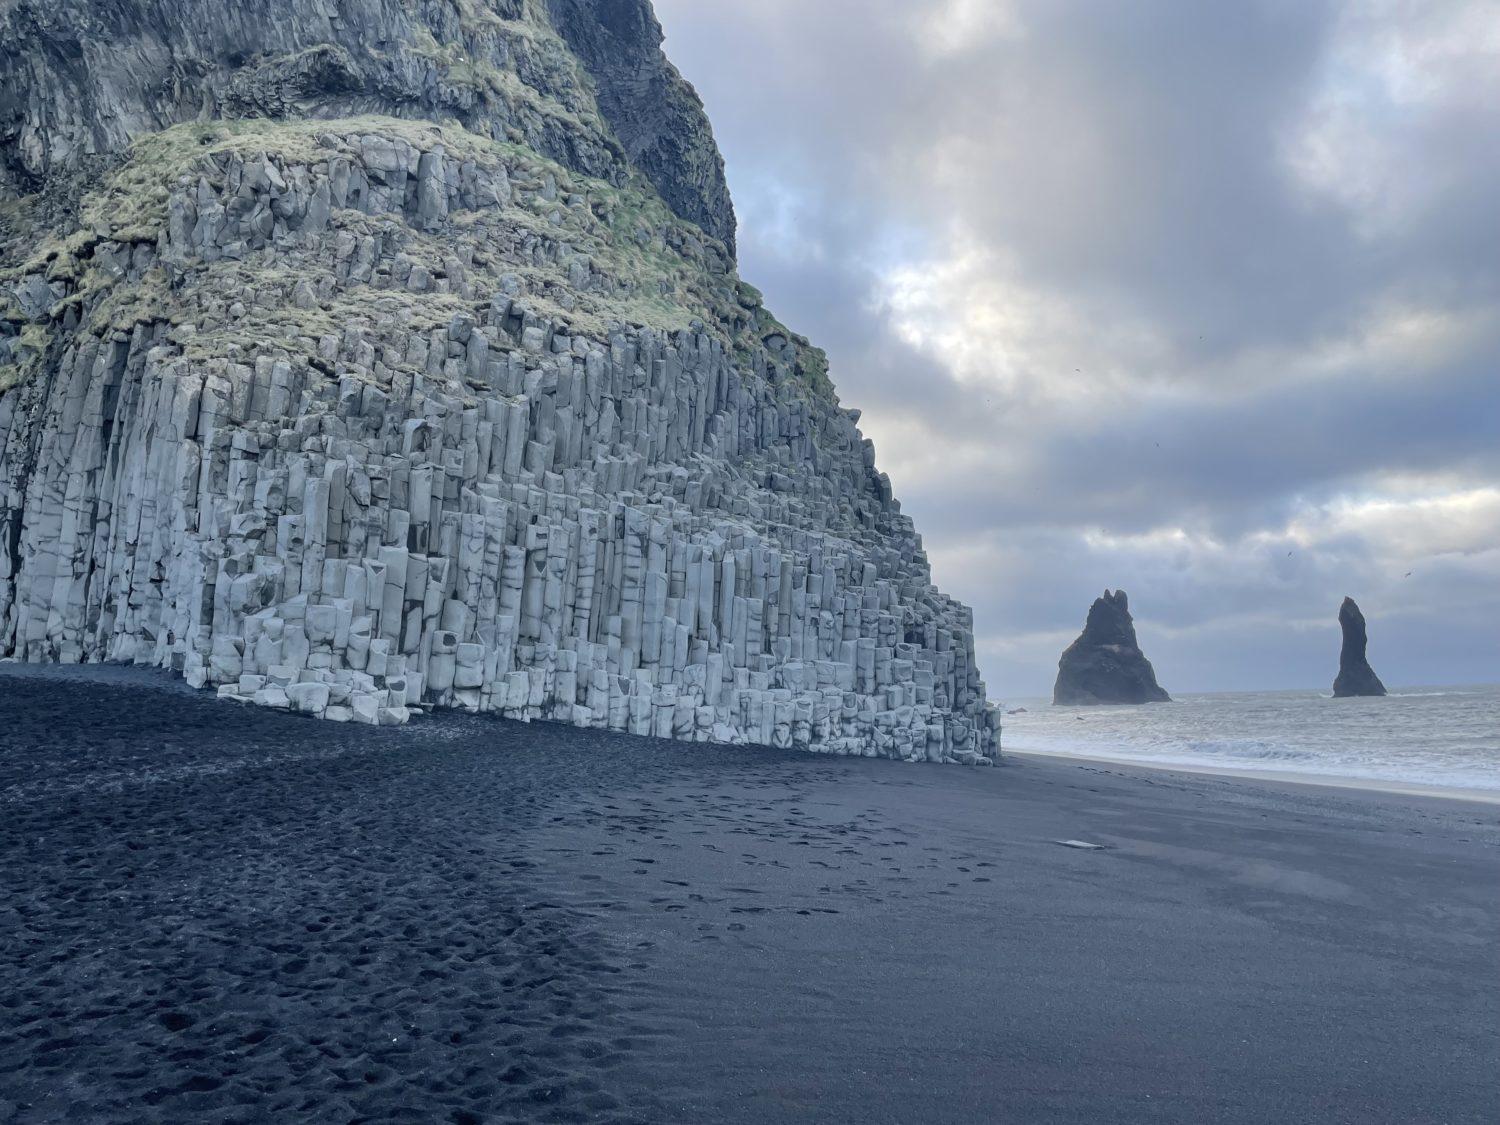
[(1106, 664), (455, 403), (1356, 677)]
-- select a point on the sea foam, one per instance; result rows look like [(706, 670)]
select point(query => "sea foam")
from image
[(1440, 737)]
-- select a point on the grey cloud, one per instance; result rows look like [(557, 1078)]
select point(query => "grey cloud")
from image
[(1139, 165), (1231, 469)]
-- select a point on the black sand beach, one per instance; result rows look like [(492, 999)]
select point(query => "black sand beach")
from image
[(215, 913)]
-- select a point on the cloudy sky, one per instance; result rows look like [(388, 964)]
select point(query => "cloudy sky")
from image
[(1199, 300)]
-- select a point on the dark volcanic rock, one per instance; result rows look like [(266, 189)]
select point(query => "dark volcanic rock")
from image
[(1356, 677), (80, 81), (652, 109), (1105, 664)]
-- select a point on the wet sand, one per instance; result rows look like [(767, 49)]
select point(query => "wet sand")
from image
[(214, 913)]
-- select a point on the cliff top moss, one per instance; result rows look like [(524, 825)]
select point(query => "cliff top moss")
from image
[(659, 270)]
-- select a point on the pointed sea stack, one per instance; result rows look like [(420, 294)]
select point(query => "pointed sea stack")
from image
[(1105, 664), (1356, 677)]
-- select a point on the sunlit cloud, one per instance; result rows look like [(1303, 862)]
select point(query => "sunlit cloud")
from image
[(1397, 73), (962, 26), (976, 313), (1463, 522)]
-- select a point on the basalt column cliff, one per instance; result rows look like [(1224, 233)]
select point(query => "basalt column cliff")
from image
[(369, 354)]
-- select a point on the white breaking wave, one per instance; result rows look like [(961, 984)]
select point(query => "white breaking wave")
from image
[(1443, 737)]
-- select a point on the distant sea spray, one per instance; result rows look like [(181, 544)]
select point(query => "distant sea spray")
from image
[(1429, 736)]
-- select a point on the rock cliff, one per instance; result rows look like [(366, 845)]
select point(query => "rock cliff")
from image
[(1355, 677), (1106, 664), (369, 355)]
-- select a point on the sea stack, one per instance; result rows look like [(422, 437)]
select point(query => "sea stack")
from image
[(1356, 677), (367, 357), (1106, 664)]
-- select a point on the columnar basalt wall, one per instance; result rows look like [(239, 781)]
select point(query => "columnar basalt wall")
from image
[(356, 416)]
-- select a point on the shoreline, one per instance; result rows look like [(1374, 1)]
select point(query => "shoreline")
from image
[(161, 679), (1488, 798)]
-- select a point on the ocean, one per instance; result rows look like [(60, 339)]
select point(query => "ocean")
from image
[(1437, 737)]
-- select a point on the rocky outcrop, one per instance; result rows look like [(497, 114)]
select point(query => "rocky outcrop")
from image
[(1106, 664), (1355, 677), (80, 81), (351, 415), (653, 111)]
